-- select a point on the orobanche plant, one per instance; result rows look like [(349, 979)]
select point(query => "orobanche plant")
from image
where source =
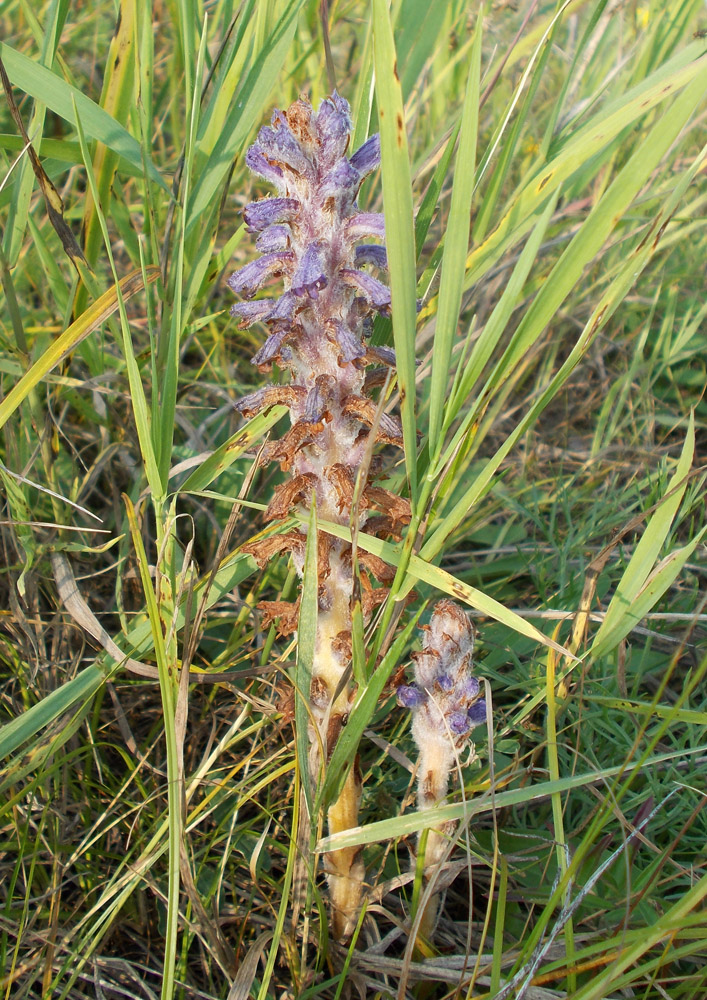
[(313, 236)]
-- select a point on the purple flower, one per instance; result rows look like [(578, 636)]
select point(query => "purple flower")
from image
[(477, 712), (371, 253), (376, 293), (365, 224), (458, 723), (368, 156), (410, 696), (273, 238), (309, 278), (333, 125), (280, 146), (256, 162), (348, 342), (259, 215), (249, 279), (271, 348), (252, 312)]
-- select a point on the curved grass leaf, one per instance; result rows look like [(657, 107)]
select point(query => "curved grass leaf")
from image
[(59, 96), (399, 227)]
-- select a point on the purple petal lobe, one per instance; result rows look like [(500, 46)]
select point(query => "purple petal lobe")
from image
[(318, 399), (365, 224), (445, 682), (333, 128), (384, 354), (371, 253), (309, 277), (341, 184), (368, 156), (284, 308), (349, 344), (377, 294), (271, 348), (256, 162), (477, 712), (273, 238), (269, 211), (250, 278), (469, 688), (252, 312), (280, 146), (459, 723), (410, 696)]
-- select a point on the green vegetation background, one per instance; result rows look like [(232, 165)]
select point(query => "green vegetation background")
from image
[(546, 202)]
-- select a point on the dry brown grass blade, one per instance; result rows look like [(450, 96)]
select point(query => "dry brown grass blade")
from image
[(83, 616)]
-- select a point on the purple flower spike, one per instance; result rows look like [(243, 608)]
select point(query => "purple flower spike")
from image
[(368, 156), (443, 672), (410, 696)]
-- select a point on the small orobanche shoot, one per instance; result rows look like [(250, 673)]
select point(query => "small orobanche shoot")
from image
[(446, 704)]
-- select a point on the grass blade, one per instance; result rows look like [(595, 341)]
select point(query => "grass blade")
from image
[(399, 228), (456, 245)]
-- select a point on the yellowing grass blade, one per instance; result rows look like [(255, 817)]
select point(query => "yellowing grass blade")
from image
[(87, 322)]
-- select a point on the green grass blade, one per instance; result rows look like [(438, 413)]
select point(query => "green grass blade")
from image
[(137, 391), (399, 227), (456, 245), (568, 271), (306, 648), (253, 94), (59, 97), (89, 321)]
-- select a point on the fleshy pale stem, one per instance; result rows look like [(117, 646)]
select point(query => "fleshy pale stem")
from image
[(313, 236)]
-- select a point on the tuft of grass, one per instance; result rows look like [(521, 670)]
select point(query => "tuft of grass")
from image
[(543, 184)]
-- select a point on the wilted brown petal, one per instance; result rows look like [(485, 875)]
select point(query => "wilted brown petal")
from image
[(289, 494), (284, 614), (389, 429), (269, 395), (398, 508), (264, 549), (377, 566), (284, 450), (342, 646), (371, 599), (341, 478)]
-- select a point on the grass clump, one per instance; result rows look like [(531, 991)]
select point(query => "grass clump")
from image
[(542, 183)]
